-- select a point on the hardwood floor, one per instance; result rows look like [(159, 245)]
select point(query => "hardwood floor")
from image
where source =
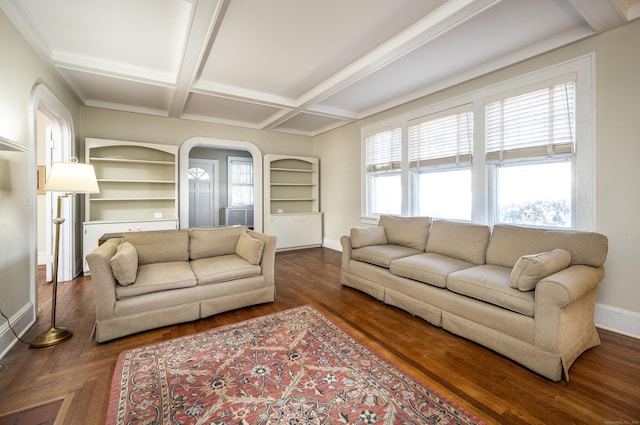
[(604, 386)]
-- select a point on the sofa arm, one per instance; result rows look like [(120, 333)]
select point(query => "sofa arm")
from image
[(568, 285), (104, 283), (345, 241), (267, 263), (564, 312)]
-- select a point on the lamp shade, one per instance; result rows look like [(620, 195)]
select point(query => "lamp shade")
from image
[(72, 177)]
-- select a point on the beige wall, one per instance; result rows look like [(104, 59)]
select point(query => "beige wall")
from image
[(21, 70), (617, 155), (108, 124)]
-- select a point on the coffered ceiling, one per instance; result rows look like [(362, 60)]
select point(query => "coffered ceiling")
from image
[(297, 66)]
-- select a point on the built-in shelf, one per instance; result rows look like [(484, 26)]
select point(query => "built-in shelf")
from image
[(291, 201), (131, 199), (131, 161), (130, 174)]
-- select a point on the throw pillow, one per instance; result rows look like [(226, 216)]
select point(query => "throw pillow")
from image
[(366, 236), (124, 264), (250, 248), (406, 231), (530, 269)]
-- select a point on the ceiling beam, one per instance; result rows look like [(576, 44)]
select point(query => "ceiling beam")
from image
[(206, 20), (600, 15)]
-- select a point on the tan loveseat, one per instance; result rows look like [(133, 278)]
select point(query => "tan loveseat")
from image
[(528, 294), (151, 279)]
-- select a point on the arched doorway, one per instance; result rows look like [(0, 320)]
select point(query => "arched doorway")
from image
[(52, 133), (183, 168)]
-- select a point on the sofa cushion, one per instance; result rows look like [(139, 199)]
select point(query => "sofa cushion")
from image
[(366, 236), (464, 241), (428, 268), (491, 284), (406, 231), (159, 246), (158, 277), (250, 248), (223, 268), (124, 264), (213, 242), (382, 255), (530, 269), (509, 243)]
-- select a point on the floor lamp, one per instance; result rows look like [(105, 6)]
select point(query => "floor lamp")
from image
[(69, 178)]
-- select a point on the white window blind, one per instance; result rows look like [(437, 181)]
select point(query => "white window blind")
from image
[(539, 123), (384, 150), (442, 139)]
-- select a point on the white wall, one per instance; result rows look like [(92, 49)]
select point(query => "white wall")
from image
[(617, 162), (21, 70)]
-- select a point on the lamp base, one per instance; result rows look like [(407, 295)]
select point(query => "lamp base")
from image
[(50, 337)]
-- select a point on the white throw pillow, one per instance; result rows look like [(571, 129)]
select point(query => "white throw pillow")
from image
[(530, 269)]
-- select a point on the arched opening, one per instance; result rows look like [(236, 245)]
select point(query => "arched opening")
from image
[(183, 168), (52, 135)]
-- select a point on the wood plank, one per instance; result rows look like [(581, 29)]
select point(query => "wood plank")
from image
[(604, 386)]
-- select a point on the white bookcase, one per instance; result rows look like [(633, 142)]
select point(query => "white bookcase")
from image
[(138, 189), (138, 181), (291, 201)]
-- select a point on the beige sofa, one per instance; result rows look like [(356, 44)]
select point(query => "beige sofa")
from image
[(151, 279), (528, 294)]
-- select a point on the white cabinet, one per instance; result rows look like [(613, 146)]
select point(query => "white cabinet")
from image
[(291, 201), (297, 230), (93, 230)]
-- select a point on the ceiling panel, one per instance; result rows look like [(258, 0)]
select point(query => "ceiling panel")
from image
[(222, 110), (289, 65), (306, 123), (114, 34), (464, 52), (116, 93), (288, 46)]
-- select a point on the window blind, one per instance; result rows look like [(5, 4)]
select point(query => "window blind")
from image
[(442, 139), (539, 123), (384, 150)]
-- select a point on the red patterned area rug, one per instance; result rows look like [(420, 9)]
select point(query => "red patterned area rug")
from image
[(292, 367)]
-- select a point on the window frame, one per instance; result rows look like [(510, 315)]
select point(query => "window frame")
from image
[(484, 175), (230, 162)]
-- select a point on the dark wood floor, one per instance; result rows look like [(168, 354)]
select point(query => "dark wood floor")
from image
[(604, 386)]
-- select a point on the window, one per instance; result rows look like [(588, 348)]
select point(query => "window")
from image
[(440, 152), (240, 182), (197, 173), (383, 164), (537, 194), (521, 151), (530, 143)]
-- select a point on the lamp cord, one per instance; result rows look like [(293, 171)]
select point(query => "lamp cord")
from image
[(12, 330)]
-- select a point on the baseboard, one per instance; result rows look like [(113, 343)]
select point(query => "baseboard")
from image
[(21, 322), (42, 258), (618, 320), (332, 244)]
